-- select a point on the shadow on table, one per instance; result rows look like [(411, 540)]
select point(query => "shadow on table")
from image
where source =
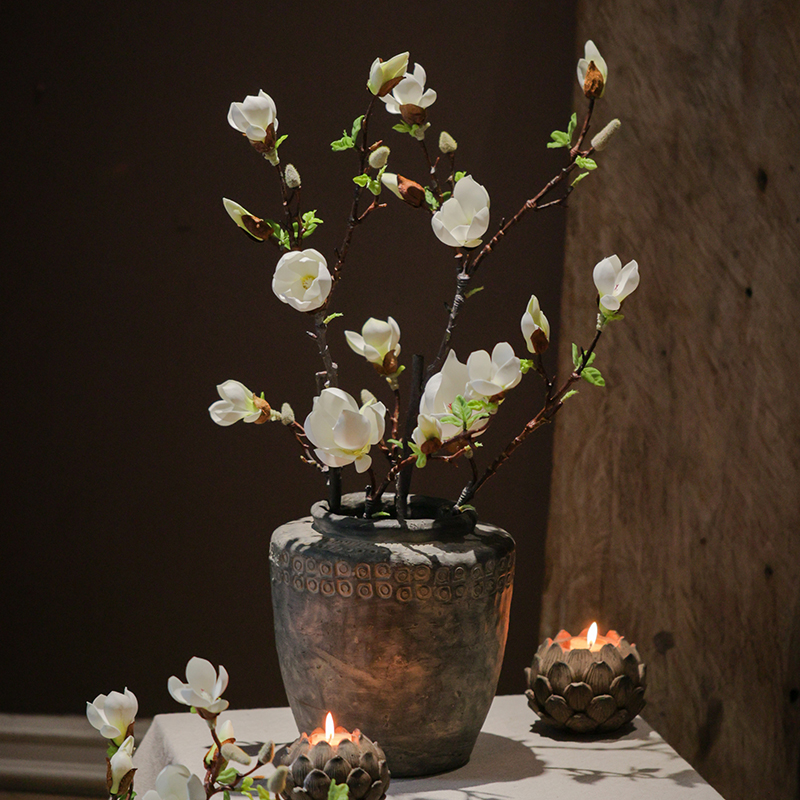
[(628, 731), (495, 759)]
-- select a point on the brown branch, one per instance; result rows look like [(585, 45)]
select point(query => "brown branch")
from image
[(462, 283)]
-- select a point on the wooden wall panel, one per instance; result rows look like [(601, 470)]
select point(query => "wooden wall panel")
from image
[(675, 512)]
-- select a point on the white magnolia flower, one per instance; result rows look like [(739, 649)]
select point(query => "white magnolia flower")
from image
[(591, 55), (534, 320), (237, 403), (428, 429), (410, 91), (176, 782), (302, 279), (441, 390), (343, 433), (614, 282), (492, 375), (203, 688), (254, 116), (376, 340), (121, 763), (464, 218), (236, 212), (382, 73), (113, 714)]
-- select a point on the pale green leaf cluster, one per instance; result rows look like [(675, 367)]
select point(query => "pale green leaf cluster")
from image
[(525, 365), (564, 138), (373, 184), (404, 127), (589, 373), (348, 141), (338, 791), (465, 413)]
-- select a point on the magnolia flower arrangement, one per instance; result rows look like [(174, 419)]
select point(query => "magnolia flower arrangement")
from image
[(227, 767), (450, 403)]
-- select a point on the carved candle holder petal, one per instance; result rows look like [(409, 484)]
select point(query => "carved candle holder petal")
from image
[(359, 763), (585, 691)]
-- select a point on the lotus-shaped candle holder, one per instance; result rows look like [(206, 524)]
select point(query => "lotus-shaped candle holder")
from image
[(347, 758), (586, 688)]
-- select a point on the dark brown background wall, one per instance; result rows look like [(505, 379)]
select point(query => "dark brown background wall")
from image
[(137, 529)]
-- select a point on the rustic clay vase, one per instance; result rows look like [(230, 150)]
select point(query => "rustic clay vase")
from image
[(397, 628)]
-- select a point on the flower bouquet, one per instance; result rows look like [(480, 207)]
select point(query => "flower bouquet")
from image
[(450, 404)]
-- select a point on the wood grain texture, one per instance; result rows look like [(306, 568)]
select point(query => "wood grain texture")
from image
[(675, 513)]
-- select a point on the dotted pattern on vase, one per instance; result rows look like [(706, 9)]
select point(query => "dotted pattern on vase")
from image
[(387, 581)]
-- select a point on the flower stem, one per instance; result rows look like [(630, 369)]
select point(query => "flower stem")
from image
[(403, 484), (545, 415)]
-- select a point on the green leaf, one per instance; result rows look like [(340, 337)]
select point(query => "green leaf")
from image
[(466, 507), (576, 355), (338, 791), (474, 291), (281, 140), (332, 317), (263, 794), (226, 795), (310, 222), (579, 178), (525, 365), (228, 776), (560, 139), (356, 127), (361, 180), (458, 176), (395, 442), (451, 419), (569, 394), (422, 459), (345, 143), (613, 317), (112, 748), (585, 163), (573, 122), (430, 199), (592, 374), (404, 127), (379, 514), (247, 783)]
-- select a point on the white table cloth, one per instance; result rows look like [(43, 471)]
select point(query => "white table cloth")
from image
[(515, 758)]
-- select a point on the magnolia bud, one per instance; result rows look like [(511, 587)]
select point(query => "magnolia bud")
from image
[(232, 752), (367, 398), (291, 176), (407, 190), (379, 157), (287, 414), (593, 83), (266, 753), (447, 144), (419, 133), (276, 782), (601, 140)]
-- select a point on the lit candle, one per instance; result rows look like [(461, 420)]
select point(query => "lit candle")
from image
[(333, 736), (588, 639)]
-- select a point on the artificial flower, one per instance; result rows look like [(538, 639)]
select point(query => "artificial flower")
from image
[(535, 327), (410, 98), (377, 340), (492, 375), (600, 140), (385, 75), (428, 434), (121, 768), (379, 157), (407, 190), (302, 279), (592, 71), (614, 282), (343, 433), (238, 402), (256, 118), (464, 218), (176, 782), (113, 714), (441, 390), (203, 688), (253, 226)]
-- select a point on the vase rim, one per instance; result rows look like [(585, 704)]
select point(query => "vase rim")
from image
[(427, 515)]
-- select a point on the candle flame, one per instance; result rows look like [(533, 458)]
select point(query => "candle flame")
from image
[(329, 727), (591, 637)]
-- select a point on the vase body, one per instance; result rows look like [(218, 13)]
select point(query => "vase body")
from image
[(397, 629)]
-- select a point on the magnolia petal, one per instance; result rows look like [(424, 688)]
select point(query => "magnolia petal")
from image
[(583, 66), (484, 388), (377, 334), (591, 53), (222, 682), (442, 232), (627, 280), (605, 275), (255, 133), (479, 224), (419, 74), (356, 342), (408, 91), (479, 365), (201, 675), (236, 119), (509, 375), (351, 431), (471, 195), (502, 353), (223, 413), (363, 463), (376, 415), (452, 213), (609, 302), (334, 459), (427, 99)]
